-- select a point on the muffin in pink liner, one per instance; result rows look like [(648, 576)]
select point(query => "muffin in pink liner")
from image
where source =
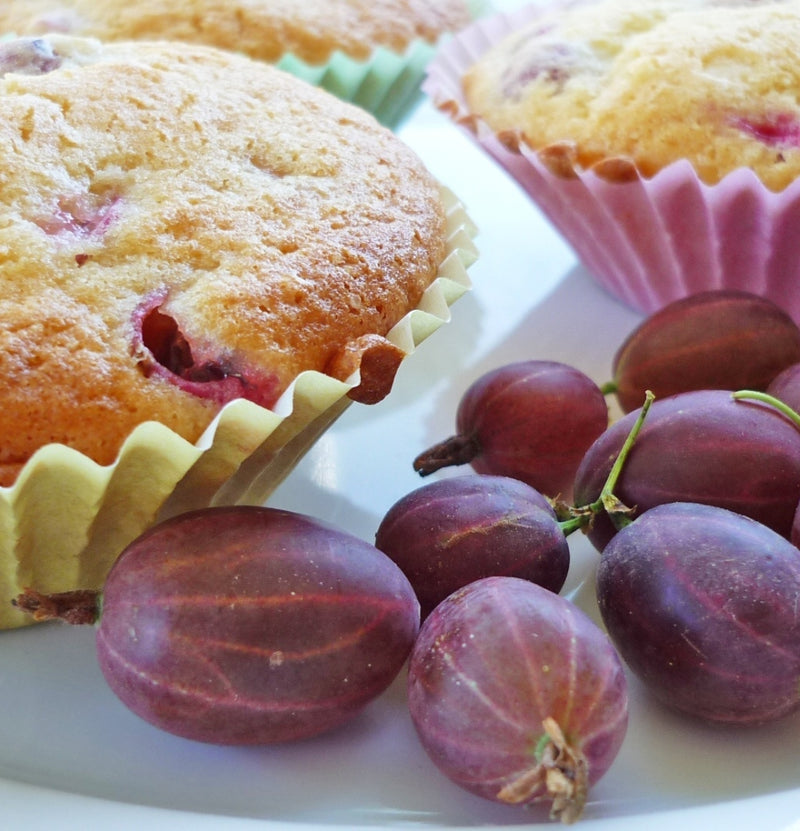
[(664, 185), (196, 282)]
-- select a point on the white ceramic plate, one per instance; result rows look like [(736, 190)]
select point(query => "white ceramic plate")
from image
[(72, 757)]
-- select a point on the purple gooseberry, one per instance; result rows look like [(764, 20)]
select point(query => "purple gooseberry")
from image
[(451, 532), (517, 696), (530, 420), (246, 625)]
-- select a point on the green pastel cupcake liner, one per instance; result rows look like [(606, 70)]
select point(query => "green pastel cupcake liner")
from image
[(387, 84)]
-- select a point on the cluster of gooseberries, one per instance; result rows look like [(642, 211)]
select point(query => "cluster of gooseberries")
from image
[(690, 499)]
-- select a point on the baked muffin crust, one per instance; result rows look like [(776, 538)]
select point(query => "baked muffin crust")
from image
[(180, 226), (714, 81), (266, 29)]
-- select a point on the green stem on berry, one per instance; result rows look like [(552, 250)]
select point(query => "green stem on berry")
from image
[(766, 398), (607, 502), (574, 523), (609, 388)]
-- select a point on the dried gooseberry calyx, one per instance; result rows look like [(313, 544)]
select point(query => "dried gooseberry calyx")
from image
[(565, 772)]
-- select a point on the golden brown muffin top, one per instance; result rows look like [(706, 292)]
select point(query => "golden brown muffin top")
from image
[(653, 81), (179, 226), (266, 29)]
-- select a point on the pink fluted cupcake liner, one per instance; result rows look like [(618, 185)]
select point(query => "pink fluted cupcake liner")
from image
[(647, 241)]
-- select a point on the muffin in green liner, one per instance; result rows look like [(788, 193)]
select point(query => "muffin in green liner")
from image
[(372, 53)]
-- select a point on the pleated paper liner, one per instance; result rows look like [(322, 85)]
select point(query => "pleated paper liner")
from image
[(647, 241), (387, 84), (66, 519)]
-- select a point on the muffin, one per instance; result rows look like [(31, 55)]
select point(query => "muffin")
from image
[(661, 137), (203, 260), (369, 51)]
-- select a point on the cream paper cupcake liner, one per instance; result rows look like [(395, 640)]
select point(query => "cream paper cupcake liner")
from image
[(66, 519), (647, 241)]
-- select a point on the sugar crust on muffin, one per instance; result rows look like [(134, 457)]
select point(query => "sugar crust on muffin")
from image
[(180, 226), (265, 29), (716, 82)]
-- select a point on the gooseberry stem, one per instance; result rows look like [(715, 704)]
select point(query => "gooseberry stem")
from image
[(575, 522), (766, 398), (607, 502), (77, 607), (456, 450)]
